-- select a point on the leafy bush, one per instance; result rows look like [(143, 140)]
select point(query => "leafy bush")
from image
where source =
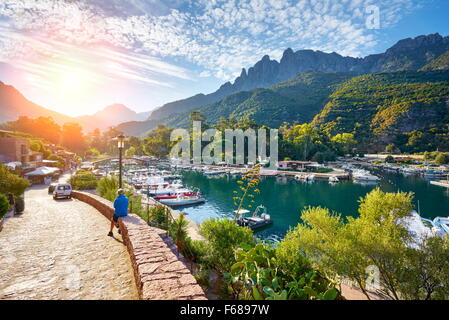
[(202, 277), (442, 158), (4, 205), (224, 237), (83, 181), (257, 276), (92, 152), (374, 239), (107, 187), (178, 231), (158, 215), (11, 183), (57, 158)]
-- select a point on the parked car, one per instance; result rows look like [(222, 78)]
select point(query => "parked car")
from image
[(62, 190)]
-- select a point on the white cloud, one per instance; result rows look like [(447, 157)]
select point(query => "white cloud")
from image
[(219, 36)]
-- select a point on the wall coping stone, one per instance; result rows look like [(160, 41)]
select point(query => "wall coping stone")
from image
[(159, 273)]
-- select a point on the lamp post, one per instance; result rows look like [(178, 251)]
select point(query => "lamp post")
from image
[(121, 145)]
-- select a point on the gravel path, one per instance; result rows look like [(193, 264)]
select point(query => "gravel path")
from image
[(60, 250)]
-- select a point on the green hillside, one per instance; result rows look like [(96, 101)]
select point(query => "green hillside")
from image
[(409, 109), (296, 100), (440, 63)]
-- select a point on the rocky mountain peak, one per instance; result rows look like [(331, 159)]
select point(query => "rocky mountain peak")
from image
[(418, 42)]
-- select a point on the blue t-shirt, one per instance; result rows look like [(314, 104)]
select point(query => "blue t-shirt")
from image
[(121, 206)]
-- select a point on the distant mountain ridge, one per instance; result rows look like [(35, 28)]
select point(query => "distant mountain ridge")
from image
[(407, 54), (13, 104), (112, 115)]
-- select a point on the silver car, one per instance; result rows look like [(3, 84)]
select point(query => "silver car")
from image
[(62, 190)]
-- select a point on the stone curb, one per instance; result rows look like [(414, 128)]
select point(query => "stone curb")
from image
[(159, 273)]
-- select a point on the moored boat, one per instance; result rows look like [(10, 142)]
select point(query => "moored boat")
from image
[(363, 175), (259, 219), (333, 179), (183, 200), (442, 223)]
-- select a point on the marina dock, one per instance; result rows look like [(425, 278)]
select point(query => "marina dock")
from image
[(339, 173)]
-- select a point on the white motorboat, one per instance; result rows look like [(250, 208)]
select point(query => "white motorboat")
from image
[(333, 179), (442, 223), (363, 175), (418, 228), (298, 177), (183, 200)]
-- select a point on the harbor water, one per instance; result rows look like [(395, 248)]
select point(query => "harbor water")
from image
[(285, 198)]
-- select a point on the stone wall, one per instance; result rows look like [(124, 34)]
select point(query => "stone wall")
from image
[(159, 273)]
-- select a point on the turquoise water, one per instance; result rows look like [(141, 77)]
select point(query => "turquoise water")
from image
[(284, 197)]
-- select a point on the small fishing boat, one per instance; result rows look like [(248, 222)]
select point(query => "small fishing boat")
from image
[(259, 219)]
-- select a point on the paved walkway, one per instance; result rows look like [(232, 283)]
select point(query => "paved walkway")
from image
[(59, 250)]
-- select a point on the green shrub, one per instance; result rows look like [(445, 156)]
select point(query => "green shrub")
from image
[(83, 181), (158, 215), (224, 238), (199, 250), (4, 205), (178, 230), (107, 187), (258, 275), (202, 277), (11, 183), (442, 158), (59, 159)]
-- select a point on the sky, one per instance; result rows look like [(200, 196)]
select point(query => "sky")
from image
[(78, 56)]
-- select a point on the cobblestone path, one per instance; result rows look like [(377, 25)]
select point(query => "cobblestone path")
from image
[(60, 250)]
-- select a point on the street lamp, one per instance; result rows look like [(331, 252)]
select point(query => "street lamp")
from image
[(121, 145)]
